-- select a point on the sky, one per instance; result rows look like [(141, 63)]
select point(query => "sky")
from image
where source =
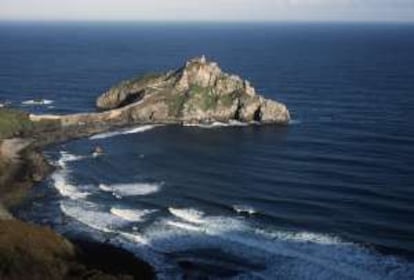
[(208, 10)]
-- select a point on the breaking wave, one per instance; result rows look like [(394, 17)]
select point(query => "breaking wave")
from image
[(138, 129), (68, 157), (280, 254), (132, 215), (256, 253), (193, 216), (246, 248), (133, 189), (189, 215), (38, 102), (244, 209), (217, 124), (60, 178), (60, 182), (91, 215)]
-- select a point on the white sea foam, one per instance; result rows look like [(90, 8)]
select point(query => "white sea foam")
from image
[(60, 182), (90, 214), (68, 157), (284, 255), (303, 237), (292, 259), (138, 129), (196, 220), (244, 209), (136, 238), (185, 226), (189, 215), (132, 215), (38, 102), (216, 124), (60, 178), (133, 189)]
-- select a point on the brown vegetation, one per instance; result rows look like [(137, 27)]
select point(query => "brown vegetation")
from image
[(37, 253), (32, 252)]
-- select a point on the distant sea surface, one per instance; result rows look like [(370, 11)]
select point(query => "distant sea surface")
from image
[(331, 196)]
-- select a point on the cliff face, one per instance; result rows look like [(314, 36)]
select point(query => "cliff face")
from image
[(199, 92)]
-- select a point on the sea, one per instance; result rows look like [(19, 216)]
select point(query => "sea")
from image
[(330, 196)]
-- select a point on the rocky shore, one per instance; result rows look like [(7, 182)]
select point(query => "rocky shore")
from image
[(34, 252), (197, 93)]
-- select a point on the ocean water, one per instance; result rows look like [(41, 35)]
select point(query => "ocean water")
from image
[(328, 197)]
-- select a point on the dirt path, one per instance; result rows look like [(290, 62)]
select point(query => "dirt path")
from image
[(4, 214), (10, 148), (9, 152)]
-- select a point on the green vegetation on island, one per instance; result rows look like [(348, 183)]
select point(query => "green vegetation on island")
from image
[(14, 123)]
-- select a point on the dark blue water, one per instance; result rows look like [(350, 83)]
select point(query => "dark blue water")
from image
[(329, 197)]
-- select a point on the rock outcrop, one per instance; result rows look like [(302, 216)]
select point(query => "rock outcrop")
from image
[(199, 92)]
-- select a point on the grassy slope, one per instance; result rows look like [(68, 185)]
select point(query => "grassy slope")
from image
[(32, 252), (137, 81), (14, 123)]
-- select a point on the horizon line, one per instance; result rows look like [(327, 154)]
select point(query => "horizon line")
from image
[(208, 21)]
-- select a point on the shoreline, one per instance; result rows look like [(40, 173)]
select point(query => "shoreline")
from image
[(82, 258), (199, 92)]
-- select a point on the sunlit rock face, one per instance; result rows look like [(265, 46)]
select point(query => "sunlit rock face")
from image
[(198, 92)]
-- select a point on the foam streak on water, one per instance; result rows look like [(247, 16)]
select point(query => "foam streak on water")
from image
[(302, 255), (189, 215), (91, 215), (132, 215), (132, 189), (281, 254), (244, 209), (66, 189), (60, 178), (67, 157), (38, 102), (138, 129), (216, 124)]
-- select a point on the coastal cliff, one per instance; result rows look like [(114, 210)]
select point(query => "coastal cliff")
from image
[(35, 252)]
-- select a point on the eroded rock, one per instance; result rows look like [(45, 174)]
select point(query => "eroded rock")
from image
[(198, 92)]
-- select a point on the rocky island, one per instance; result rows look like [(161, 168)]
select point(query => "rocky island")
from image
[(197, 93)]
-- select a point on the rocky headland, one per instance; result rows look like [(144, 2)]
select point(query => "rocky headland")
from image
[(197, 93)]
